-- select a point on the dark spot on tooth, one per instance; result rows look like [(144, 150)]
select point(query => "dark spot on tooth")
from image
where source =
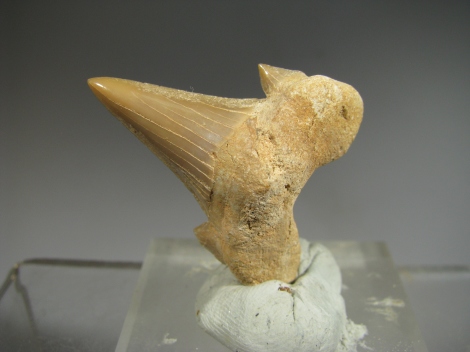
[(285, 289)]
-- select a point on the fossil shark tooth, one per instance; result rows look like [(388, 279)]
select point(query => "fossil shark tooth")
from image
[(245, 160)]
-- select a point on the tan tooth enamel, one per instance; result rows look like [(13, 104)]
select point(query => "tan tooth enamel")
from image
[(245, 160), (183, 129)]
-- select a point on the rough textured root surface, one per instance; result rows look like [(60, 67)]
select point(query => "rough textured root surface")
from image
[(308, 315), (304, 123)]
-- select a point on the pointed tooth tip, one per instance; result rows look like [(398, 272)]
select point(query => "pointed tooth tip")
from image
[(98, 85), (110, 88), (95, 81), (101, 83), (267, 68), (263, 68), (264, 77), (110, 91)]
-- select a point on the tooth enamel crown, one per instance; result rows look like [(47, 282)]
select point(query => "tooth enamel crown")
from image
[(244, 160)]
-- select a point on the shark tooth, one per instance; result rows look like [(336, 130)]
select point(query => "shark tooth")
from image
[(244, 160)]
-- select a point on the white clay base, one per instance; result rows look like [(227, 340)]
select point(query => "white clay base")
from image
[(307, 315)]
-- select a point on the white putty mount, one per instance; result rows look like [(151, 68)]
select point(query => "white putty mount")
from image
[(308, 315)]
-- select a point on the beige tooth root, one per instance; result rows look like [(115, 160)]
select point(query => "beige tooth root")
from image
[(244, 160)]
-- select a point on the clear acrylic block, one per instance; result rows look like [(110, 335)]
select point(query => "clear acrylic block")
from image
[(162, 315)]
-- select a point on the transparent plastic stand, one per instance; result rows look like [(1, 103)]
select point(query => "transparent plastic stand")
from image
[(81, 305), (162, 315)]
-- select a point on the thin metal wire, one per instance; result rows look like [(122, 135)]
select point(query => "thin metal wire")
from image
[(13, 274)]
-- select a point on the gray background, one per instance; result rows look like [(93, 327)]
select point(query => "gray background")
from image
[(76, 184)]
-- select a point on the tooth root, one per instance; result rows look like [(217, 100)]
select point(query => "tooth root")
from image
[(183, 129), (272, 77)]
